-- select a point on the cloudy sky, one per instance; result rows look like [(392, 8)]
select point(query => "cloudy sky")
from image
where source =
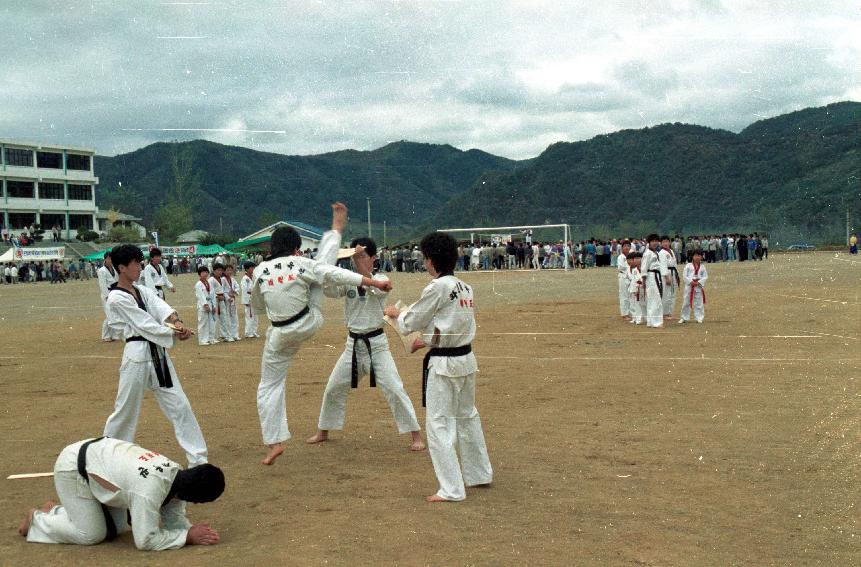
[(510, 78)]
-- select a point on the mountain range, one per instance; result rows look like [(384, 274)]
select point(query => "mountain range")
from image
[(793, 176)]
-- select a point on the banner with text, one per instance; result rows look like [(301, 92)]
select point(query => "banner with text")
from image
[(39, 254)]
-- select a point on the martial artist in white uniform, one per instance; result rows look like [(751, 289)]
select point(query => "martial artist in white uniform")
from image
[(107, 277), (650, 271), (444, 315), (671, 280), (251, 319), (363, 312), (695, 276), (636, 289), (121, 480), (220, 331), (289, 289), (154, 275), (623, 282), (206, 308), (231, 294), (146, 364)]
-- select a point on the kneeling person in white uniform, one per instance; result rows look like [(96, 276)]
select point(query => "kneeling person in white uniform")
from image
[(367, 352), (102, 483), (444, 314), (288, 288), (141, 318)]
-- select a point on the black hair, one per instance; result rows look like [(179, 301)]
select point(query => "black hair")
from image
[(217, 265), (107, 254), (698, 251), (284, 242), (665, 237), (153, 252), (201, 269), (248, 264), (124, 254), (652, 237), (370, 245), (441, 249), (203, 483)]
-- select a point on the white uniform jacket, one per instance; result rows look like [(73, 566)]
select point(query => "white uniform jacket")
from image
[(128, 320), (363, 308), (282, 286), (446, 318), (155, 278)]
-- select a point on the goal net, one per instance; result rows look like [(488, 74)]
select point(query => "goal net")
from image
[(525, 233)]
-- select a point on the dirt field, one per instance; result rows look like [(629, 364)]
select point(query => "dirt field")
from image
[(732, 442)]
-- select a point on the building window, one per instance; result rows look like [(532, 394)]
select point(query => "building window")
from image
[(50, 220), (80, 222), (51, 191), (50, 160), (19, 189), (80, 192), (19, 157), (78, 162), (20, 221)]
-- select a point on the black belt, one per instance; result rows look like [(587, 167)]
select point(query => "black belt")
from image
[(675, 274), (354, 370), (82, 470), (452, 351), (162, 370), (292, 319), (659, 282), (159, 287)]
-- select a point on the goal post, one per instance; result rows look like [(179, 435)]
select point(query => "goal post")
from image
[(491, 231)]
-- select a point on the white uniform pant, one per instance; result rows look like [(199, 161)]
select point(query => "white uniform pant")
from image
[(282, 343), (654, 305), (452, 424), (536, 263), (135, 379), (637, 307), (251, 321), (205, 327), (335, 397), (232, 315), (624, 297), (699, 305), (223, 323), (79, 518), (668, 301)]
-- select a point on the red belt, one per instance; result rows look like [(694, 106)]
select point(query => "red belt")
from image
[(693, 288)]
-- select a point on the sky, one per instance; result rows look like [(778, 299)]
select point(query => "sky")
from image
[(509, 78)]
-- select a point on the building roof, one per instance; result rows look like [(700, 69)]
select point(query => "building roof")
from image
[(41, 146), (120, 216), (306, 231), (191, 236)]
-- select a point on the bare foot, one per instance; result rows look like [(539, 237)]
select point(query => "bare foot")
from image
[(322, 435), (273, 453), (418, 443), (435, 498), (47, 506), (24, 528)]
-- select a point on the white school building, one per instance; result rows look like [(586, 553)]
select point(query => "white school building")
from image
[(47, 185)]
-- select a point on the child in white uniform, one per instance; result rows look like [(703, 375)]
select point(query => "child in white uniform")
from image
[(206, 307), (245, 297), (231, 294), (695, 277)]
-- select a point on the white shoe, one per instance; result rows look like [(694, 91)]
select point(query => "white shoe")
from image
[(699, 320), (681, 321)]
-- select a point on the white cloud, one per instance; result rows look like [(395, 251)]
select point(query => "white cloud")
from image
[(506, 77)]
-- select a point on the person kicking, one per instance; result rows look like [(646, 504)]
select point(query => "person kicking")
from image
[(288, 288), (366, 352)]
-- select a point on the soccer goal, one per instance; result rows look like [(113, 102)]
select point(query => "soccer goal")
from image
[(503, 234)]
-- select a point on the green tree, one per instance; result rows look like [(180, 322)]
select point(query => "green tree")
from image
[(177, 215)]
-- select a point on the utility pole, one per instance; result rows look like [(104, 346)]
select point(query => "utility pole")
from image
[(384, 233), (369, 216), (847, 226)]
